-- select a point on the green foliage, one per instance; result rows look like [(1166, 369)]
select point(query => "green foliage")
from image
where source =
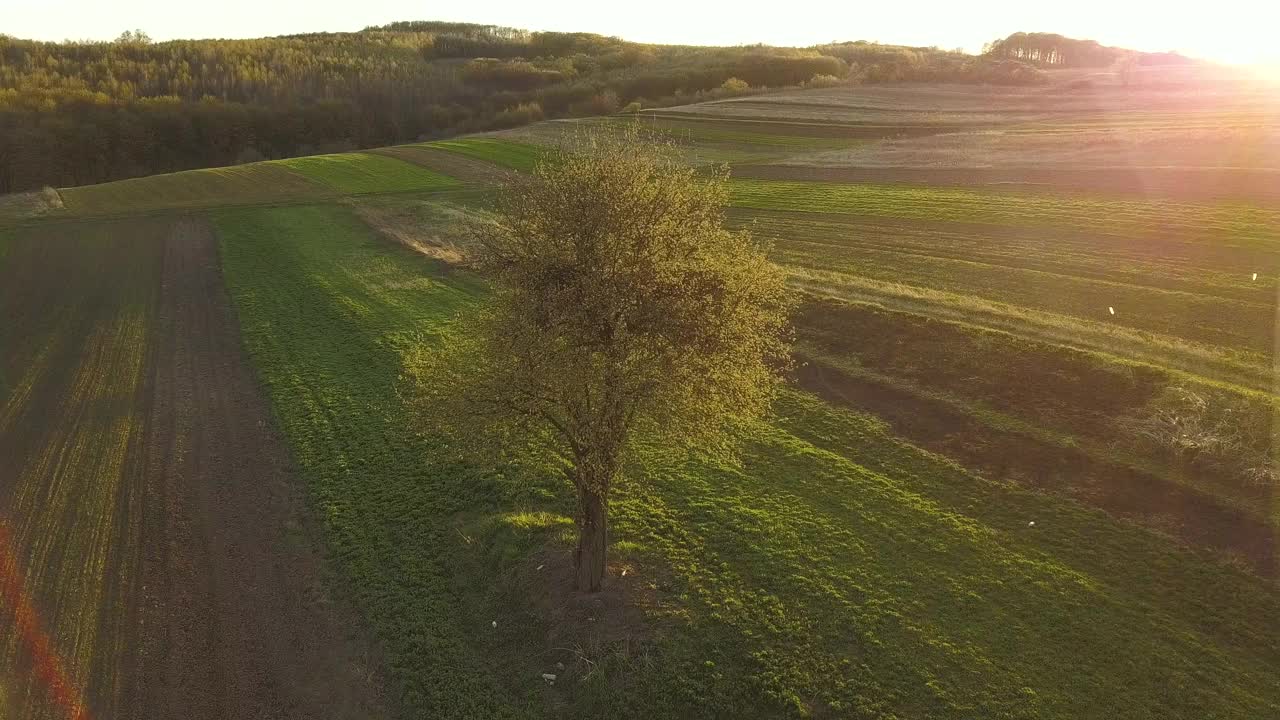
[(824, 81), (602, 103), (510, 74), (656, 310), (86, 112), (134, 37), (1053, 50), (734, 86), (365, 173), (522, 114), (621, 308), (1006, 72), (873, 62)]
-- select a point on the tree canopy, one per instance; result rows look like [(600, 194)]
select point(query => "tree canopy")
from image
[(77, 113), (84, 112), (622, 315), (1053, 50)]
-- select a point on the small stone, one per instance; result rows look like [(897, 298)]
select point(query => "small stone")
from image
[(550, 678), (1113, 310), (1031, 524), (495, 624), (559, 666)]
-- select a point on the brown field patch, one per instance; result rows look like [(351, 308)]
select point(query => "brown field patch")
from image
[(160, 562)]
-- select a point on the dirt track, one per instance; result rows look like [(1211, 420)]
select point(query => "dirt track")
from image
[(184, 580)]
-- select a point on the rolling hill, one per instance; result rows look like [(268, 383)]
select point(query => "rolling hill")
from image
[(1027, 469)]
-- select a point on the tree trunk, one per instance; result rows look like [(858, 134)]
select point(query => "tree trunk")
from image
[(593, 537)]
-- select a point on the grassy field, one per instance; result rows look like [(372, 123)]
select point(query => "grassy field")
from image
[(966, 507), (501, 152), (355, 173), (1080, 434), (1210, 297), (1003, 232), (1242, 226), (256, 183), (844, 572), (263, 183)]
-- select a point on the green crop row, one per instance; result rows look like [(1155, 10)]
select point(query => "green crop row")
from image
[(506, 153), (256, 183), (263, 183), (1237, 225), (1239, 324), (352, 173)]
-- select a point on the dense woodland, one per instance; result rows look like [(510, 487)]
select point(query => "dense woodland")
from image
[(75, 113), (1053, 50)]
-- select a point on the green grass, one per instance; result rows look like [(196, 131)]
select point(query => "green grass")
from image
[(1041, 273), (699, 133), (865, 578), (506, 153), (1088, 406), (1184, 301), (1237, 225), (242, 184), (355, 173), (839, 573), (326, 311)]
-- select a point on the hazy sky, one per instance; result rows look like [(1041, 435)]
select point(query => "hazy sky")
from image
[(1224, 30)]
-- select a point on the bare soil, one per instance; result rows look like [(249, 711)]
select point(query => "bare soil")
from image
[(234, 618), (215, 602)]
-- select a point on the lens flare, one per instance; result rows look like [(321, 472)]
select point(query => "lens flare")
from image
[(17, 610)]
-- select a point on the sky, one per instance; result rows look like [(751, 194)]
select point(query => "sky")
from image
[(1232, 31)]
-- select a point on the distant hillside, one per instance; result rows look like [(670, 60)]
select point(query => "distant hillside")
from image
[(1055, 51), (77, 113)]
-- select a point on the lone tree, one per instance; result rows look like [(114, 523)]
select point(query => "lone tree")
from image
[(622, 313)]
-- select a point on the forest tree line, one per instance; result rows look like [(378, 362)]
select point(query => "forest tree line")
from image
[(1053, 50), (75, 113)]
